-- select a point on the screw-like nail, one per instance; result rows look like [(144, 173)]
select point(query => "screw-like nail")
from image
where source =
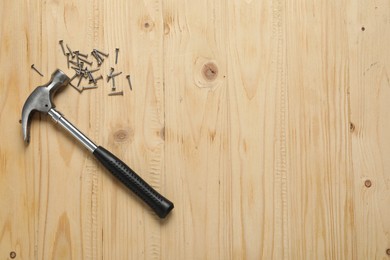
[(86, 72), (33, 67), (72, 78), (77, 57), (101, 53), (113, 84), (92, 71), (128, 79), (98, 78), (109, 75), (119, 93), (82, 55), (115, 74), (78, 84), (67, 59), (116, 55), (89, 87), (98, 55), (73, 62), (76, 88), (78, 71), (85, 61), (70, 51), (61, 42), (98, 59), (91, 78)]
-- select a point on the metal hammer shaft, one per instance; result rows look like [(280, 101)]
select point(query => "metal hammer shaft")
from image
[(61, 120)]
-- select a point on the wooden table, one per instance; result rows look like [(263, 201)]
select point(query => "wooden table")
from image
[(267, 123)]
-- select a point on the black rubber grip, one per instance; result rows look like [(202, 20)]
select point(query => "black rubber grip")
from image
[(128, 177)]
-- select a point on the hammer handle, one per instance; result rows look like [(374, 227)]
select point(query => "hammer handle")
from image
[(160, 205), (120, 170)]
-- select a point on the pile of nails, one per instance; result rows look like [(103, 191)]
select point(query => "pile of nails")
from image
[(80, 64)]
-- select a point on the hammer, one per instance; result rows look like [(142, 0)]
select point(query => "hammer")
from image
[(41, 100)]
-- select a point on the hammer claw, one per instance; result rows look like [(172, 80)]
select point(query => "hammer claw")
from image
[(41, 100)]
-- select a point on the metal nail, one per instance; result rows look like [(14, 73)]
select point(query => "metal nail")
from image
[(72, 78), (78, 89), (78, 84), (113, 84), (101, 53), (96, 79), (92, 71), (97, 58), (119, 93), (67, 59), (70, 51), (77, 57), (77, 70), (116, 55), (61, 42), (89, 87), (33, 67), (128, 79), (91, 78), (81, 65), (85, 61), (109, 75), (85, 72), (82, 55), (74, 63), (115, 74)]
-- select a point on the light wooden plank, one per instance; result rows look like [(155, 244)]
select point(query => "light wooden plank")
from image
[(258, 106), (66, 183), (222, 62), (265, 122), (369, 33), (197, 137), (320, 191), (130, 229), (18, 205)]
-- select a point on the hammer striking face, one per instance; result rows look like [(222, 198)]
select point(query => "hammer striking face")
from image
[(41, 99)]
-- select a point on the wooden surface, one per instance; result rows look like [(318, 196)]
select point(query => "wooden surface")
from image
[(266, 123)]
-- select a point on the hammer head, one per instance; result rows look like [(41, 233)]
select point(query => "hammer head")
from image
[(41, 99)]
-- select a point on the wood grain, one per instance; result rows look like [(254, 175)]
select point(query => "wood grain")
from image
[(265, 122)]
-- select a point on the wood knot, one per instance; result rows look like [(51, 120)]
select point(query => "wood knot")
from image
[(351, 127), (368, 183), (162, 133), (212, 135), (168, 23), (146, 24), (210, 71), (12, 255), (167, 28), (388, 251), (206, 73), (123, 135)]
